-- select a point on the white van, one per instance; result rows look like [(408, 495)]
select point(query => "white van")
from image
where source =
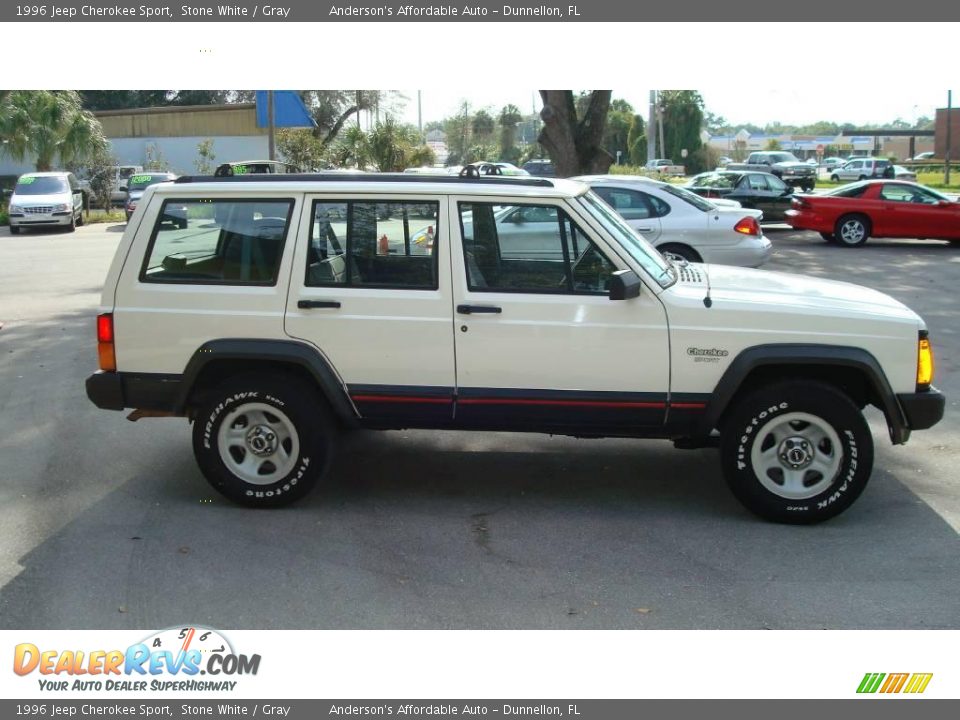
[(46, 198)]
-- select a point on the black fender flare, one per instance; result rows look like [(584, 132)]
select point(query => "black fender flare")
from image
[(759, 356), (290, 352)]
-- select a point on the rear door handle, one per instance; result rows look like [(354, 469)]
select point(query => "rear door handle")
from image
[(304, 304), (471, 309), (645, 229)]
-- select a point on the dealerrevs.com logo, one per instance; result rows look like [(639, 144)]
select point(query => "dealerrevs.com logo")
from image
[(177, 659), (911, 683)]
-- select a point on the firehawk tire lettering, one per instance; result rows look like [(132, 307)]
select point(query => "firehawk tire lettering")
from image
[(311, 422), (830, 409)]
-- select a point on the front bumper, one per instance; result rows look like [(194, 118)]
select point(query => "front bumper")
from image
[(922, 410), (39, 220)]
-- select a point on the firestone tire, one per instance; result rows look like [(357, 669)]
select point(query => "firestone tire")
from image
[(263, 440), (796, 452)]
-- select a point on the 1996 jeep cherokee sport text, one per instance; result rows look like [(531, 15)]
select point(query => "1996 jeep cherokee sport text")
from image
[(275, 312)]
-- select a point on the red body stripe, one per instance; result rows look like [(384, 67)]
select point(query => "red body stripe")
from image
[(401, 399), (569, 403), (526, 401)]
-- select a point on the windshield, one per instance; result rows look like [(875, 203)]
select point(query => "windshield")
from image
[(688, 197), (32, 185), (779, 157), (639, 249), (140, 182), (715, 180)]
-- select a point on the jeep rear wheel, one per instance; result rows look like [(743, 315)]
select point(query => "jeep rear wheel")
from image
[(796, 452), (263, 441)]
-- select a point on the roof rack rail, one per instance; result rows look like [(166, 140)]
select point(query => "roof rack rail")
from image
[(370, 178)]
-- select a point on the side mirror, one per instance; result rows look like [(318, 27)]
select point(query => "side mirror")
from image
[(942, 203), (122, 188), (624, 285)]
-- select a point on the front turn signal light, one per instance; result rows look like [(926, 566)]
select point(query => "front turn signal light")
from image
[(924, 363)]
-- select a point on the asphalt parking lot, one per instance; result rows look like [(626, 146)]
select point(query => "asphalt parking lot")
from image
[(108, 524)]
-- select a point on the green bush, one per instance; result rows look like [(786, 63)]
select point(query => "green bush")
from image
[(4, 217)]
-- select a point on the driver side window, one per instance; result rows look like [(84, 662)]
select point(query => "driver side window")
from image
[(529, 248)]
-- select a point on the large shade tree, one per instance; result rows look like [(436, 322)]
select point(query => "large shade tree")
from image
[(49, 126), (574, 140)]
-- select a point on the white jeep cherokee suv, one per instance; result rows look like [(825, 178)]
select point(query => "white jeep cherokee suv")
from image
[(288, 308)]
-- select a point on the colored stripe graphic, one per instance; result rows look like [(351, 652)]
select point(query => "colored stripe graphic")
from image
[(895, 682), (870, 682), (918, 682), (402, 399)]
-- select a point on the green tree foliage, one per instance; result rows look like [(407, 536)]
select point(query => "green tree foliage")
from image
[(637, 141), (616, 136), (100, 169), (125, 99), (482, 125), (49, 125), (773, 144), (510, 116), (206, 161), (682, 123), (458, 132), (300, 148)]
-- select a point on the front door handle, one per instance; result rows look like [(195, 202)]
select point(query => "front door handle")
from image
[(304, 304), (471, 309)]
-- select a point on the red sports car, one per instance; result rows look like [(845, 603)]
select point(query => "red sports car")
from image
[(877, 208)]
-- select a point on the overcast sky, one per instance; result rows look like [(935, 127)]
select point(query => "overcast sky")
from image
[(790, 106)]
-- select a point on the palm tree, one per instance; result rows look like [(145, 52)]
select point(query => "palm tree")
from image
[(48, 125)]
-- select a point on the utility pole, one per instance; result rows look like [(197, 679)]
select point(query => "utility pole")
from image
[(420, 112), (946, 174), (271, 127), (663, 147), (358, 108), (652, 128)]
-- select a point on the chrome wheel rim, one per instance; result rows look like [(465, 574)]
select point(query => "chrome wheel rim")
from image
[(258, 443), (852, 231), (797, 456)]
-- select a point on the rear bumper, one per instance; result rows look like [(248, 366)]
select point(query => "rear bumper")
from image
[(922, 410), (143, 391)]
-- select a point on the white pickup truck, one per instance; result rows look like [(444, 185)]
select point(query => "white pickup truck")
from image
[(665, 167)]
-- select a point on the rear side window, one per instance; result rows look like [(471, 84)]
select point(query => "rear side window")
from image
[(221, 241), (373, 244)]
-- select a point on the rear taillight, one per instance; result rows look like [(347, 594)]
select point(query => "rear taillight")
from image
[(925, 363), (747, 226), (105, 352)]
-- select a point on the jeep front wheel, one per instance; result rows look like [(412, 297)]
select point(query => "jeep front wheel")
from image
[(796, 452), (263, 441)]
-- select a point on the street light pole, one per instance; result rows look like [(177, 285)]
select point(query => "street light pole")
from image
[(946, 176), (271, 131)]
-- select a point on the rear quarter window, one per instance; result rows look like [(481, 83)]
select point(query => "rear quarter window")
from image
[(218, 241)]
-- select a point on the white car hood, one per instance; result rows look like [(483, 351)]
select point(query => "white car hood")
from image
[(786, 290)]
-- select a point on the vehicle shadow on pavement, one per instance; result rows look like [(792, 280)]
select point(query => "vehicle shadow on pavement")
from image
[(429, 530)]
